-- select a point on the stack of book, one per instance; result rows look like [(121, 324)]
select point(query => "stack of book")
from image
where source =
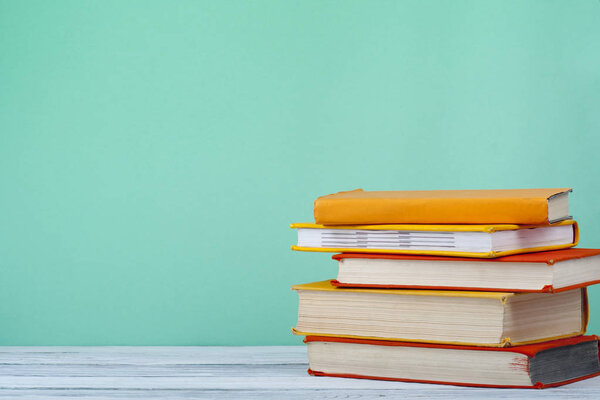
[(475, 288)]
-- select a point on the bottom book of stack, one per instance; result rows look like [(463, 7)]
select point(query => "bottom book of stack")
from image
[(540, 365)]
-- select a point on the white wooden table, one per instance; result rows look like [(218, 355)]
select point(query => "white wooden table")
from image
[(212, 373)]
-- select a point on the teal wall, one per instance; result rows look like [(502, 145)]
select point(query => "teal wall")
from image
[(153, 153)]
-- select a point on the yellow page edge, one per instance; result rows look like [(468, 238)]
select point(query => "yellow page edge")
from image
[(490, 254), (433, 228), (504, 343), (326, 286)]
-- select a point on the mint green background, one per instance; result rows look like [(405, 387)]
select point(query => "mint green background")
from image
[(153, 153)]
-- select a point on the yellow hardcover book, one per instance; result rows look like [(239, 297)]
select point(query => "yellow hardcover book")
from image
[(499, 206), (480, 241), (492, 319)]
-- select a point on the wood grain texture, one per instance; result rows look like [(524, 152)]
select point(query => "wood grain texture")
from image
[(212, 373)]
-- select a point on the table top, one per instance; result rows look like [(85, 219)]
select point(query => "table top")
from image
[(213, 373)]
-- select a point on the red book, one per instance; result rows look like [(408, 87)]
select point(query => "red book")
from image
[(541, 365), (548, 271)]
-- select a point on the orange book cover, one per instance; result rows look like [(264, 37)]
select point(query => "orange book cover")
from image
[(502, 206), (544, 257), (529, 350)]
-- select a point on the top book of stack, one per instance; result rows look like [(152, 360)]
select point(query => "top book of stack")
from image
[(504, 206)]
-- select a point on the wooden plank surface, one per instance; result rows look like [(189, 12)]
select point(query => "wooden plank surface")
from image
[(212, 373)]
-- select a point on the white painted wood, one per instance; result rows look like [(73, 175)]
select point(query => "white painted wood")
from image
[(162, 355), (274, 372)]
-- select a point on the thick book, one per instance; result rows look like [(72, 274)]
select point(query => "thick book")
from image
[(504, 206), (547, 271), (542, 365), (494, 319), (481, 241)]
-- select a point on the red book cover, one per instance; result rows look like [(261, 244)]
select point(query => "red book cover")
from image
[(530, 350), (545, 257)]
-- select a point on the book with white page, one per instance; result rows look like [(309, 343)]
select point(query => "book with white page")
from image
[(483, 241), (547, 271)]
